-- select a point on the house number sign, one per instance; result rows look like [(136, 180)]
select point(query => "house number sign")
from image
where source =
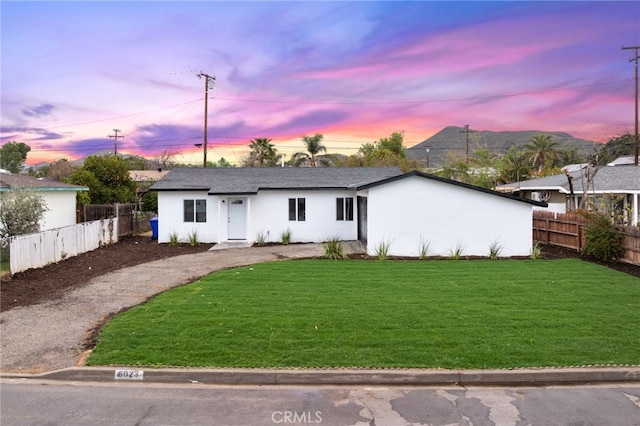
[(129, 375)]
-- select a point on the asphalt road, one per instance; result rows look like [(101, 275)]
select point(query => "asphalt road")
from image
[(26, 401)]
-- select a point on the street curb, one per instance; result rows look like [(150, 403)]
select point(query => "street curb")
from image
[(354, 377)]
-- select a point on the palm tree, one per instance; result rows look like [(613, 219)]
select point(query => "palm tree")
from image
[(543, 151), (263, 154), (313, 146)]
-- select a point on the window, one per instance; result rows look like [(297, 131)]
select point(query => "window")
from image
[(297, 209), (195, 210), (344, 208)]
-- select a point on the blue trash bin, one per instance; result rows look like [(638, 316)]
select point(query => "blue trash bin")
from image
[(154, 228)]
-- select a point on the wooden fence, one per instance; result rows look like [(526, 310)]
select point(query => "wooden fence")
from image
[(568, 230), (41, 249), (130, 222)]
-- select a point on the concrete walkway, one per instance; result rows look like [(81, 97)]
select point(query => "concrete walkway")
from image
[(47, 340)]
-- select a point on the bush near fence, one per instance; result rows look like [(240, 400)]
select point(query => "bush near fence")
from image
[(41, 249), (568, 230)]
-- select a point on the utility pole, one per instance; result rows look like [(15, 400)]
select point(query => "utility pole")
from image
[(467, 131), (208, 82), (635, 161), (115, 140)]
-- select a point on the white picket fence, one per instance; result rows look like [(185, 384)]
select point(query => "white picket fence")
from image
[(41, 249)]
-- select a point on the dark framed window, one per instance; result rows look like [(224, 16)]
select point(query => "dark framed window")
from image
[(344, 208), (195, 210), (297, 209)]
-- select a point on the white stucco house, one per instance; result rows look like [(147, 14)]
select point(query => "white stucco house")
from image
[(564, 192), (374, 205), (60, 198)]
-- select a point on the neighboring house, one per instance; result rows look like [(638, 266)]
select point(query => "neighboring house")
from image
[(60, 198), (617, 186), (374, 205)]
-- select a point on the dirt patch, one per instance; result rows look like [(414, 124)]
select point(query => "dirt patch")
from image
[(51, 282)]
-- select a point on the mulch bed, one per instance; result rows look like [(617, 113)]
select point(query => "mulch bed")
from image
[(50, 283)]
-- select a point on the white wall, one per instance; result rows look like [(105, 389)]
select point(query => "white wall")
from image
[(171, 219), (449, 216), (270, 213), (61, 211), (267, 213)]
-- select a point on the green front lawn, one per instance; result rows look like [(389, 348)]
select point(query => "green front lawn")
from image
[(422, 314)]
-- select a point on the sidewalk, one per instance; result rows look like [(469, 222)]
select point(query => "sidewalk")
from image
[(46, 341)]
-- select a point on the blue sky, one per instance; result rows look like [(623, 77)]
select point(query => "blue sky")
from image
[(353, 71)]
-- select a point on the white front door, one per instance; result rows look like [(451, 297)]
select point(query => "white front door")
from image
[(237, 218)]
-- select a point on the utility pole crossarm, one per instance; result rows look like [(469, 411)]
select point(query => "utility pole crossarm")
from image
[(635, 59), (115, 140)]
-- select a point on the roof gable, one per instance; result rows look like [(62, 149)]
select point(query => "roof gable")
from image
[(454, 183)]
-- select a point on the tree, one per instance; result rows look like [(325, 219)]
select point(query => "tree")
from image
[(221, 163), (543, 151), (617, 147), (13, 155), (263, 154), (59, 170), (313, 147), (386, 152), (108, 180), (164, 161), (21, 212), (480, 170), (513, 166)]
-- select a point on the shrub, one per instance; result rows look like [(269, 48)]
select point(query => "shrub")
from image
[(333, 249), (603, 239), (193, 238), (495, 248), (285, 237), (536, 251), (261, 238), (456, 252), (173, 239), (423, 248), (382, 250)]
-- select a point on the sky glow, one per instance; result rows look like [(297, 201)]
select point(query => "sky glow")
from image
[(353, 71)]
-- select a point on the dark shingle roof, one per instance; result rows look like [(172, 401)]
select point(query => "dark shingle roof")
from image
[(248, 180), (10, 181), (607, 179)]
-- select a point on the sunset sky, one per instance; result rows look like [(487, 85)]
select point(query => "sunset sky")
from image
[(353, 71)]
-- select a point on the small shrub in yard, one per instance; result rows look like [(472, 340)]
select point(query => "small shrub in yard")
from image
[(382, 250), (261, 238), (285, 237), (193, 238), (173, 239), (333, 249), (536, 251), (495, 248), (603, 240), (423, 248), (456, 252)]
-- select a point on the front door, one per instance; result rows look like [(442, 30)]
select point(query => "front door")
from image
[(237, 219)]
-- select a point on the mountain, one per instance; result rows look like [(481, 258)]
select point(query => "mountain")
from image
[(453, 140)]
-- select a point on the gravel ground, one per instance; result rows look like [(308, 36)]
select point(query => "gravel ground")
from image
[(54, 334)]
